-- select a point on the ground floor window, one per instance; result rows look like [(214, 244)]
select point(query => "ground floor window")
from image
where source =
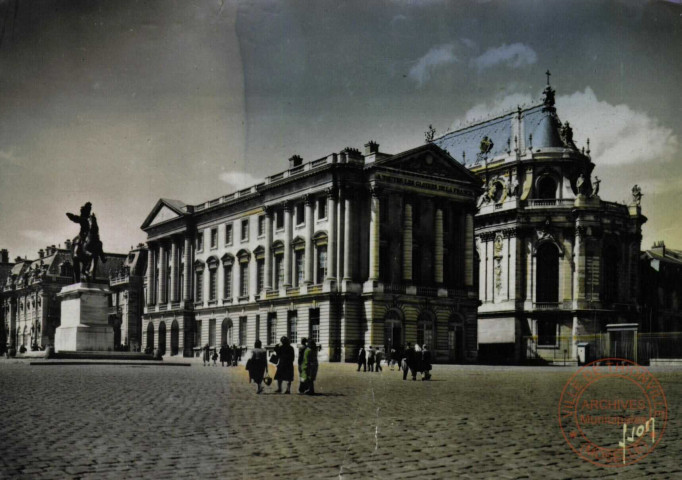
[(292, 326), (272, 329), (243, 322), (314, 333), (547, 333)]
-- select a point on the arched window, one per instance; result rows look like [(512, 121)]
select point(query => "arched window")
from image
[(298, 246), (278, 271), (425, 330), (150, 336), (226, 332), (162, 338), (546, 187), (547, 279), (320, 240), (243, 257), (212, 263), (393, 331), (199, 282), (228, 261)]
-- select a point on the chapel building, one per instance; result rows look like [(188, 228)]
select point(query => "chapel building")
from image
[(557, 265), (348, 250)]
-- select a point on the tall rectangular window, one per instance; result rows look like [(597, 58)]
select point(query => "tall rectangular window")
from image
[(261, 225), (169, 272), (314, 333), (300, 213), (245, 230), (321, 263), (243, 323), (227, 281), (279, 271), (197, 333), (279, 218), (272, 328), (547, 333), (292, 326), (228, 234), (199, 295), (200, 241), (211, 332), (260, 274), (244, 279), (300, 267), (322, 208), (212, 284), (214, 238)]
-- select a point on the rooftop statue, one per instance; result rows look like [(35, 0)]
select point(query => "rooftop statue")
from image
[(86, 248), (637, 195)]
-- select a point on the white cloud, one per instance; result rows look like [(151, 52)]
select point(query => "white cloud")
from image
[(618, 134), (515, 55), (435, 58), (239, 180)]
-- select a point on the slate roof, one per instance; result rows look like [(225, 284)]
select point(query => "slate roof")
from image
[(465, 144), (671, 256)]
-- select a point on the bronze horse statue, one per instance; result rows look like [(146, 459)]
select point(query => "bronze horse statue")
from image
[(86, 248)]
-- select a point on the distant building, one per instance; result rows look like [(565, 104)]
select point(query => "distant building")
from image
[(348, 250), (5, 269), (662, 289), (127, 302), (557, 265), (31, 308)]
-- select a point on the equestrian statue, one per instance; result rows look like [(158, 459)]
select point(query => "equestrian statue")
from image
[(86, 248)]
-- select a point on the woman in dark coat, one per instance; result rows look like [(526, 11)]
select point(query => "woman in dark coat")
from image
[(285, 365), (257, 364), (224, 355)]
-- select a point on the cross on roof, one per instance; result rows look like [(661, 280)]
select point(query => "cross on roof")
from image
[(548, 74)]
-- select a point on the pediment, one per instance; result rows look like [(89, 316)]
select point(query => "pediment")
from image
[(429, 160), (163, 215), (164, 211)]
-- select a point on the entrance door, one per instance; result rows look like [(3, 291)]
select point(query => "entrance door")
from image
[(162, 338), (393, 335)]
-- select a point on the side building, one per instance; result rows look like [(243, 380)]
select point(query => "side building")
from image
[(31, 308), (5, 270), (127, 300), (557, 265), (348, 250)]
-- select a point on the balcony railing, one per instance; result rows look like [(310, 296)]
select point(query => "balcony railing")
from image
[(550, 203), (547, 305)]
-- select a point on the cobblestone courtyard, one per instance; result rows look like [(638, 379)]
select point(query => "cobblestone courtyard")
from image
[(115, 421)]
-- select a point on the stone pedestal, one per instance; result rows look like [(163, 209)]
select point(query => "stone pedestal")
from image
[(84, 319)]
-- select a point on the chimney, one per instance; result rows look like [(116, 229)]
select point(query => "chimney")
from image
[(41, 253), (18, 260), (295, 161), (371, 147), (67, 244), (4, 256)]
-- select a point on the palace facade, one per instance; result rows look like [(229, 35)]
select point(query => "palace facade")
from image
[(31, 308), (557, 265), (349, 249)]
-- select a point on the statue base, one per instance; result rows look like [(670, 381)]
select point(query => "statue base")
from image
[(84, 319)]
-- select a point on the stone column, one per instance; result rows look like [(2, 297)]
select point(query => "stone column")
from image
[(469, 250), (309, 228), (348, 256), (331, 234), (267, 281), (174, 272), (187, 260), (162, 274), (341, 234), (151, 268), (12, 334), (579, 274), (287, 244), (407, 243), (374, 234), (438, 245)]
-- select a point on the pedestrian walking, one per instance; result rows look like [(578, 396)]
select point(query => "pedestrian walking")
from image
[(224, 355), (207, 355), (236, 354), (409, 362), (362, 359), (301, 352), (257, 365), (214, 357), (285, 365), (371, 355), (309, 368), (377, 361), (426, 363)]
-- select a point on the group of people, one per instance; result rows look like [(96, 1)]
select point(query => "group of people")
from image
[(283, 357), (229, 356), (370, 359), (410, 359)]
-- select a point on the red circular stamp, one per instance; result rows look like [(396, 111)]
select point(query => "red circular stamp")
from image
[(613, 412)]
